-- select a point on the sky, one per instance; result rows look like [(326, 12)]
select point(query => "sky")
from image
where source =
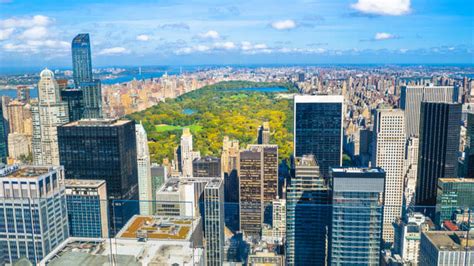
[(167, 32)]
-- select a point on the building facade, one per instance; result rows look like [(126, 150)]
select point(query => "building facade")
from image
[(33, 212), (357, 210), (207, 167), (389, 154), (74, 100), (87, 208), (145, 192), (318, 129), (48, 113), (104, 149), (453, 195), (446, 248), (214, 222), (470, 146), (438, 152)]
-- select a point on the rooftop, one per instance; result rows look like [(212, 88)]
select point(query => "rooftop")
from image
[(97, 122), (305, 160), (16, 171), (319, 99), (158, 228), (357, 170), (455, 180), (83, 183), (449, 240)]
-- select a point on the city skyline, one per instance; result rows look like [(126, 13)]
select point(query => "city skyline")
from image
[(268, 32)]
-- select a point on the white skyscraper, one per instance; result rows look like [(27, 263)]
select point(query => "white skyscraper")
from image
[(411, 98), (48, 113), (144, 171), (389, 154), (187, 153), (411, 167)]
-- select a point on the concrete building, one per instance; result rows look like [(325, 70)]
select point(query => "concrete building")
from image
[(411, 168), (48, 113), (389, 154), (33, 212), (19, 117), (266, 258), (214, 222), (408, 234), (357, 210), (230, 161), (19, 146), (207, 167), (187, 153), (145, 193), (446, 248), (411, 98), (87, 208)]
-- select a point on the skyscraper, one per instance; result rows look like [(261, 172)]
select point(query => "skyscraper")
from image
[(104, 149), (318, 129), (207, 167), (357, 209), (454, 194), (3, 138), (438, 152), (411, 98), (87, 208), (470, 146), (187, 153), (411, 168), (83, 78), (144, 171), (230, 161), (264, 133), (74, 100), (48, 113), (307, 215), (214, 221), (389, 154), (19, 117), (32, 211), (258, 186)]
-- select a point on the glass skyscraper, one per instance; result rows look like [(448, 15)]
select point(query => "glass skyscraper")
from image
[(3, 137), (357, 210), (104, 149), (308, 215), (318, 129), (454, 195)]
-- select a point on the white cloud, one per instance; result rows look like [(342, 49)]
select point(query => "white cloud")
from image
[(38, 20), (143, 37), (36, 46), (114, 51), (34, 33), (212, 34), (380, 36), (225, 45), (5, 34), (284, 24), (383, 7)]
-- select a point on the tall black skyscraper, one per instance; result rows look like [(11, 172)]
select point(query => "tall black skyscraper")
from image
[(318, 129), (470, 146), (438, 148), (83, 78), (3, 137), (74, 100), (103, 149)]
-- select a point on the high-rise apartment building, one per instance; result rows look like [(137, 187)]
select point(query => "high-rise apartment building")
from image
[(19, 146), (207, 167), (104, 149), (454, 194), (214, 221), (307, 215), (83, 78), (264, 133), (87, 208), (48, 113), (258, 186), (389, 154), (357, 210), (438, 152), (19, 117), (145, 193), (411, 98), (187, 153), (32, 211), (318, 129)]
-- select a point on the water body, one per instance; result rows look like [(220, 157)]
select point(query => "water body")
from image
[(12, 93), (130, 77), (188, 111), (261, 89)]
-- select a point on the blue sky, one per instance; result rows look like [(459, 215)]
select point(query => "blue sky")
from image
[(166, 32)]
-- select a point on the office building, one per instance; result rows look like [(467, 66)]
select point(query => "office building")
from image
[(19, 117), (33, 212), (412, 97), (104, 149), (258, 186), (318, 129), (307, 215), (159, 174), (48, 113), (83, 78), (214, 222), (357, 209), (87, 208), (187, 153), (145, 193), (453, 195), (469, 160), (264, 133), (207, 167), (408, 234), (19, 146), (438, 152), (3, 137), (389, 154), (230, 164), (446, 248), (74, 100), (279, 220)]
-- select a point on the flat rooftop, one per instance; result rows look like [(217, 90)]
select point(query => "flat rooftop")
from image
[(319, 99), (158, 228), (450, 241), (455, 180), (15, 171), (83, 183), (305, 160), (356, 170), (97, 122)]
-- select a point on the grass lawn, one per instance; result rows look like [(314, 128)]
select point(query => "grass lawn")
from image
[(164, 128)]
